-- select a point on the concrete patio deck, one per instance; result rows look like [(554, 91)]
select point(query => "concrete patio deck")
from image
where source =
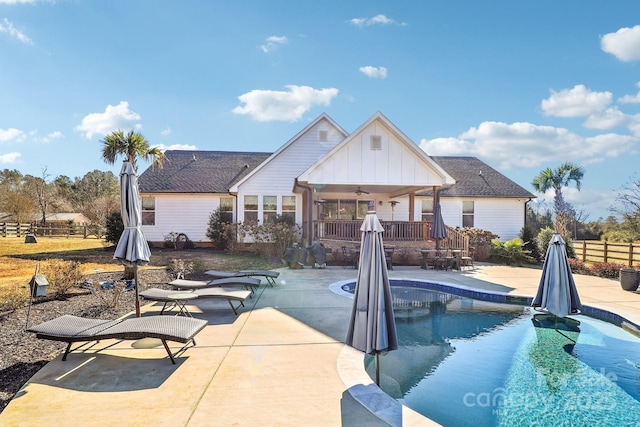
[(280, 362)]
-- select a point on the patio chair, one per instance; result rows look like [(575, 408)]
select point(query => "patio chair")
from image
[(176, 299), (466, 260), (269, 275), (348, 258), (72, 329)]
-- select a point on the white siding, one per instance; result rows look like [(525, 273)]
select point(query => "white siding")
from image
[(504, 217), (277, 177), (182, 213)]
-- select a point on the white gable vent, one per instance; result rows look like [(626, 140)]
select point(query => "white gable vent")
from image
[(323, 135), (376, 142)]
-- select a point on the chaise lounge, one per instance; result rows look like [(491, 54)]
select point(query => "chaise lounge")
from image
[(269, 275), (169, 297), (247, 283), (72, 329)]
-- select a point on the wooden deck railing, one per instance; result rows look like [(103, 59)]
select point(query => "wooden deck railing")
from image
[(393, 230)]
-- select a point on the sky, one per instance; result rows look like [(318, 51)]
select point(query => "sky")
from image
[(521, 85)]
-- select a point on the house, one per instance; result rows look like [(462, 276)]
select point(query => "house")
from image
[(63, 219), (326, 179)]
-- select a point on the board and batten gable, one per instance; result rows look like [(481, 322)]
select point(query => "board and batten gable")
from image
[(375, 155), (182, 213), (276, 176)]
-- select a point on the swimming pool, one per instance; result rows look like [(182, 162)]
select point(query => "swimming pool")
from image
[(464, 361)]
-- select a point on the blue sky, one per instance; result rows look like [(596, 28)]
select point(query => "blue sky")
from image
[(520, 85)]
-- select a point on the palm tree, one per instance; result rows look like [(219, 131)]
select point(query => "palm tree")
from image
[(558, 179), (132, 145)]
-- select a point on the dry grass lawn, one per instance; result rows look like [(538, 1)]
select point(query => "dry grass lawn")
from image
[(18, 260)]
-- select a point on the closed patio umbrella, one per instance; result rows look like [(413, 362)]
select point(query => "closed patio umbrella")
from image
[(438, 228), (132, 249), (372, 327), (557, 293)]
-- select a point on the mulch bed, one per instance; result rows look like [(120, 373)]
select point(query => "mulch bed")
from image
[(22, 354)]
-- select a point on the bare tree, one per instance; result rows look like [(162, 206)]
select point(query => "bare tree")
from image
[(627, 205)]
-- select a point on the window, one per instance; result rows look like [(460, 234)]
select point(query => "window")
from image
[(148, 210), (226, 209), (348, 209), (467, 214), (289, 208), (323, 135), (427, 210), (269, 208), (376, 142), (251, 209), (363, 207)]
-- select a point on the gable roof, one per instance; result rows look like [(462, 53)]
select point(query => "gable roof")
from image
[(474, 178), (321, 117), (189, 171), (422, 170)]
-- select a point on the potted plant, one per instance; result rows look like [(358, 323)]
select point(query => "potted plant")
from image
[(629, 279)]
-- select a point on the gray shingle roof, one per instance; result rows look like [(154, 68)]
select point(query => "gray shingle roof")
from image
[(476, 178), (199, 171)]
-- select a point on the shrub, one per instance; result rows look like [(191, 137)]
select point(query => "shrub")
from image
[(511, 252), (530, 243), (480, 241), (609, 270), (113, 228), (62, 276), (215, 230), (543, 238), (12, 298), (269, 240), (179, 268), (579, 267)]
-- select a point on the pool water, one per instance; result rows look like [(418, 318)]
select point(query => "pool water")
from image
[(469, 362)]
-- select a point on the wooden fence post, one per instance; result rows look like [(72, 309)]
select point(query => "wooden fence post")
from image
[(630, 254), (605, 253)]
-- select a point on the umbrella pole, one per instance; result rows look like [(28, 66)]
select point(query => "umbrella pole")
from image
[(135, 278), (377, 370)]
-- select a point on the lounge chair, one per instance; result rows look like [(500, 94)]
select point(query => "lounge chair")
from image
[(71, 329), (247, 283), (269, 275), (169, 297)]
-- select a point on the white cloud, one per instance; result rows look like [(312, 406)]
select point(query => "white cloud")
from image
[(17, 1), (376, 20), (164, 148), (11, 134), (630, 99), (634, 124), (607, 119), (52, 135), (374, 72), (525, 145), (9, 158), (7, 27), (624, 44), (270, 105), (113, 118), (165, 132), (576, 102), (273, 42)]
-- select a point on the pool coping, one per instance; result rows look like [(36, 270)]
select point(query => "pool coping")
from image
[(361, 387)]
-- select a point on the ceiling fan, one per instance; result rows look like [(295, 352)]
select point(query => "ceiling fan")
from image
[(359, 191)]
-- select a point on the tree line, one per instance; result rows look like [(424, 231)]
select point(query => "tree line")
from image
[(96, 194)]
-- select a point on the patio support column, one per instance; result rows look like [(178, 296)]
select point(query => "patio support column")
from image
[(412, 202)]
